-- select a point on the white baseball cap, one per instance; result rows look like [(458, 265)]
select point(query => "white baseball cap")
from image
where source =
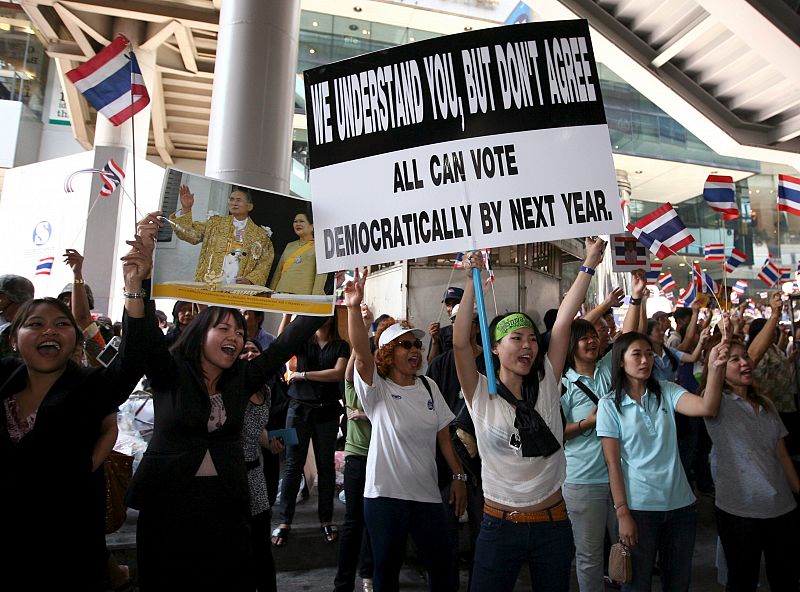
[(391, 333)]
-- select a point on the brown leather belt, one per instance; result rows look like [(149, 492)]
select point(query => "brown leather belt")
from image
[(555, 513)]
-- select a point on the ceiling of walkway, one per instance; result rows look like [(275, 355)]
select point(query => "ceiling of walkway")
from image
[(725, 69)]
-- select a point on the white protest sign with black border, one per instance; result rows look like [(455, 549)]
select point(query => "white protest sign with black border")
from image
[(483, 139)]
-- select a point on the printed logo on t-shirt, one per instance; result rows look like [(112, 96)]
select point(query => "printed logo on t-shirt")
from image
[(396, 396), (430, 405)]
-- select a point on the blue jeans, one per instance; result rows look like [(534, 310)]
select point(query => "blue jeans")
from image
[(670, 536), (503, 547), (591, 511), (389, 522)]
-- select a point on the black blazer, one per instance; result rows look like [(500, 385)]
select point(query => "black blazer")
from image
[(182, 406), (48, 495)]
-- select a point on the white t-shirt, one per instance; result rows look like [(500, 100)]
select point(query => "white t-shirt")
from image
[(508, 477), (401, 462)]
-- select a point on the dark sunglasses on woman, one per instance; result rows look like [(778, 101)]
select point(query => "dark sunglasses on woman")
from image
[(408, 344)]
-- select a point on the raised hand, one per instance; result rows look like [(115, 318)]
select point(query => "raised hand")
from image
[(638, 283), (472, 260), (354, 290), (366, 315), (719, 354), (595, 247), (75, 260), (186, 197), (776, 303), (614, 299)]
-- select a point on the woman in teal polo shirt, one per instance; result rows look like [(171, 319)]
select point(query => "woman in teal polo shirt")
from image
[(652, 498)]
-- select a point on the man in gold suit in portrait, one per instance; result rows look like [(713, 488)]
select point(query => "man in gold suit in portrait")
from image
[(235, 249)]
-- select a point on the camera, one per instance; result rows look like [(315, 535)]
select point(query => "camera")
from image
[(109, 352)]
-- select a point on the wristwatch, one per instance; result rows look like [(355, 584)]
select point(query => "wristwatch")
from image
[(460, 477), (635, 301)]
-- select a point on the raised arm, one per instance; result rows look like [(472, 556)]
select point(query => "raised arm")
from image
[(766, 336), (698, 348), (466, 369), (359, 338), (284, 347), (559, 336), (613, 300), (80, 299), (707, 405), (632, 316), (691, 329)]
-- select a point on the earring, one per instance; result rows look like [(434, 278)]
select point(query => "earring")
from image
[(14, 347)]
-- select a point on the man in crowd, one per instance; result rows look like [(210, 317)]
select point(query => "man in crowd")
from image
[(442, 337), (15, 291), (235, 248)]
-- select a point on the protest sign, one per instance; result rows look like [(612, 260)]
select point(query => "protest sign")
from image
[(239, 247), (482, 139)]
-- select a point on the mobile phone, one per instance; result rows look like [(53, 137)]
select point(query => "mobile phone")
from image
[(109, 352)]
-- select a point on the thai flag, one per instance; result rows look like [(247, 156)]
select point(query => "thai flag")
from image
[(735, 260), (487, 261), (655, 271), (109, 79), (666, 283), (661, 231), (770, 273), (709, 284), (714, 252), (623, 255), (112, 176), (45, 266), (786, 274), (459, 262), (697, 276), (720, 195), (789, 194), (740, 287), (688, 295)]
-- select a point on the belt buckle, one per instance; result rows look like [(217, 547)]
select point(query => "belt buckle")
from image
[(511, 516)]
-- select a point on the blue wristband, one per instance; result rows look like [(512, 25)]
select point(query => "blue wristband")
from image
[(585, 269)]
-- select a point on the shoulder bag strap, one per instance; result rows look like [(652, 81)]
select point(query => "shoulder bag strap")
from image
[(588, 392)]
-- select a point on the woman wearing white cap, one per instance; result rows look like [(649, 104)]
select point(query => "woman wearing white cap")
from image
[(409, 416)]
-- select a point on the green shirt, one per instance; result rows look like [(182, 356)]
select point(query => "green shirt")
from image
[(359, 431)]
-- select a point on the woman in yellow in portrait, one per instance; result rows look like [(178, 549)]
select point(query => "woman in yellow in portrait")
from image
[(296, 272)]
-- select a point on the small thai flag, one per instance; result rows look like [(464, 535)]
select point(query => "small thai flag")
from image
[(662, 231), (697, 275), (655, 271), (770, 273), (735, 260), (459, 262), (789, 194), (740, 287), (709, 284), (720, 195), (487, 261), (714, 252), (109, 79), (112, 177), (786, 274), (45, 266), (666, 283), (688, 295)]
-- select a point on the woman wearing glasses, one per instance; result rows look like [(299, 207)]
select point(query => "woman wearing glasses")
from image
[(409, 417)]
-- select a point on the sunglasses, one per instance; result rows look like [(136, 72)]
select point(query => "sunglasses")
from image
[(409, 344)]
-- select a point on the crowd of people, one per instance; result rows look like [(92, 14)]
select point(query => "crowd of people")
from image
[(597, 434)]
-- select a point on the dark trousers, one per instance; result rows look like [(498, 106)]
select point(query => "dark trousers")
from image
[(475, 514), (389, 522), (320, 427), (272, 473), (263, 563), (745, 539), (670, 536), (353, 538), (199, 540), (503, 547)]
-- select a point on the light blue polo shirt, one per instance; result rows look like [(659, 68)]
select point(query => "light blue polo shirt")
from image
[(662, 367), (585, 462), (648, 445)]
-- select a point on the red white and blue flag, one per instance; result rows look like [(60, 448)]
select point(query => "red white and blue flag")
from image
[(487, 261), (45, 266), (688, 295), (655, 271), (720, 195), (770, 274), (786, 274), (714, 252), (112, 176), (666, 283), (740, 287), (661, 231), (459, 262), (735, 260), (112, 82), (789, 194)]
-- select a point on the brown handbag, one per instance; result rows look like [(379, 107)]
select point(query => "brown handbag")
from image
[(620, 565), (118, 468)]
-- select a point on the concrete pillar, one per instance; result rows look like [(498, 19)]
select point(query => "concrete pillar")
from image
[(252, 105)]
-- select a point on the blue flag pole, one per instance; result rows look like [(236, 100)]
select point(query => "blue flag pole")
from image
[(484, 325)]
